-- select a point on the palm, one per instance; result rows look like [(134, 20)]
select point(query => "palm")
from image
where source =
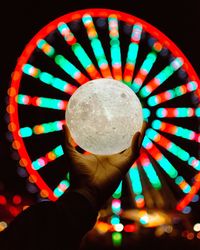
[(99, 175)]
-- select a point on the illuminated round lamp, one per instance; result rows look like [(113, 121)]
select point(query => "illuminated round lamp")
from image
[(158, 86)]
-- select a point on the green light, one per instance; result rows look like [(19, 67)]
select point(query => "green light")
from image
[(66, 65), (118, 191), (81, 55), (25, 132), (117, 239)]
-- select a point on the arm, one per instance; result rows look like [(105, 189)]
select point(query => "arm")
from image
[(62, 224)]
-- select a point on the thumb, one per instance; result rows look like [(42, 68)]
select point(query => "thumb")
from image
[(70, 150)]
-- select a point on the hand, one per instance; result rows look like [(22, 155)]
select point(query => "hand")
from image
[(97, 176)]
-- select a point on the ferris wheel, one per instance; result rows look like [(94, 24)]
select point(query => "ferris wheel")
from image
[(102, 43)]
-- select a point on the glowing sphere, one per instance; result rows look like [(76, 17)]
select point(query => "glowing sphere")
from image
[(103, 115)]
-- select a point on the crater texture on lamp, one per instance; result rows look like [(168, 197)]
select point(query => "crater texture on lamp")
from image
[(103, 115)]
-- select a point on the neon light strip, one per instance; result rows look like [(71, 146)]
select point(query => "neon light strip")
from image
[(160, 158), (168, 145), (161, 77), (144, 71), (136, 185), (49, 157), (43, 128), (78, 50), (149, 170), (61, 188), (175, 112), (188, 198), (132, 53), (175, 130), (64, 64), (184, 186), (96, 46), (172, 93), (42, 102), (45, 47), (173, 148), (115, 47), (49, 79), (70, 69), (135, 179)]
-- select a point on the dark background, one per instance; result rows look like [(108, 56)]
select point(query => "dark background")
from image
[(21, 20)]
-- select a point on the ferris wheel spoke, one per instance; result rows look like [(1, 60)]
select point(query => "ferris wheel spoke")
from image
[(149, 170), (146, 67), (49, 79), (161, 77), (62, 62), (96, 46), (78, 50), (173, 148), (41, 129), (115, 47), (136, 185), (41, 102), (172, 93), (159, 158), (175, 130), (61, 188), (176, 112), (132, 53), (188, 198), (48, 157)]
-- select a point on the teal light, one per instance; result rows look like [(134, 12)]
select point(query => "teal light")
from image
[(81, 55), (146, 113), (45, 102), (68, 67), (156, 124), (46, 77), (25, 132), (135, 180), (115, 220), (152, 176), (58, 151)]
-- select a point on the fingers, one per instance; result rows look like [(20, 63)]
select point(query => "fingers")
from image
[(70, 149), (132, 153), (142, 133)]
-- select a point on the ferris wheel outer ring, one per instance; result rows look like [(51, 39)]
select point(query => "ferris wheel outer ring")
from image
[(30, 47)]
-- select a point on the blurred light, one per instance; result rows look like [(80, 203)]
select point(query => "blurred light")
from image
[(187, 210), (3, 200), (117, 239), (118, 227), (196, 227), (3, 225)]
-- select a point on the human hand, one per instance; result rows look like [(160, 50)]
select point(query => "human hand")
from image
[(97, 176)]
